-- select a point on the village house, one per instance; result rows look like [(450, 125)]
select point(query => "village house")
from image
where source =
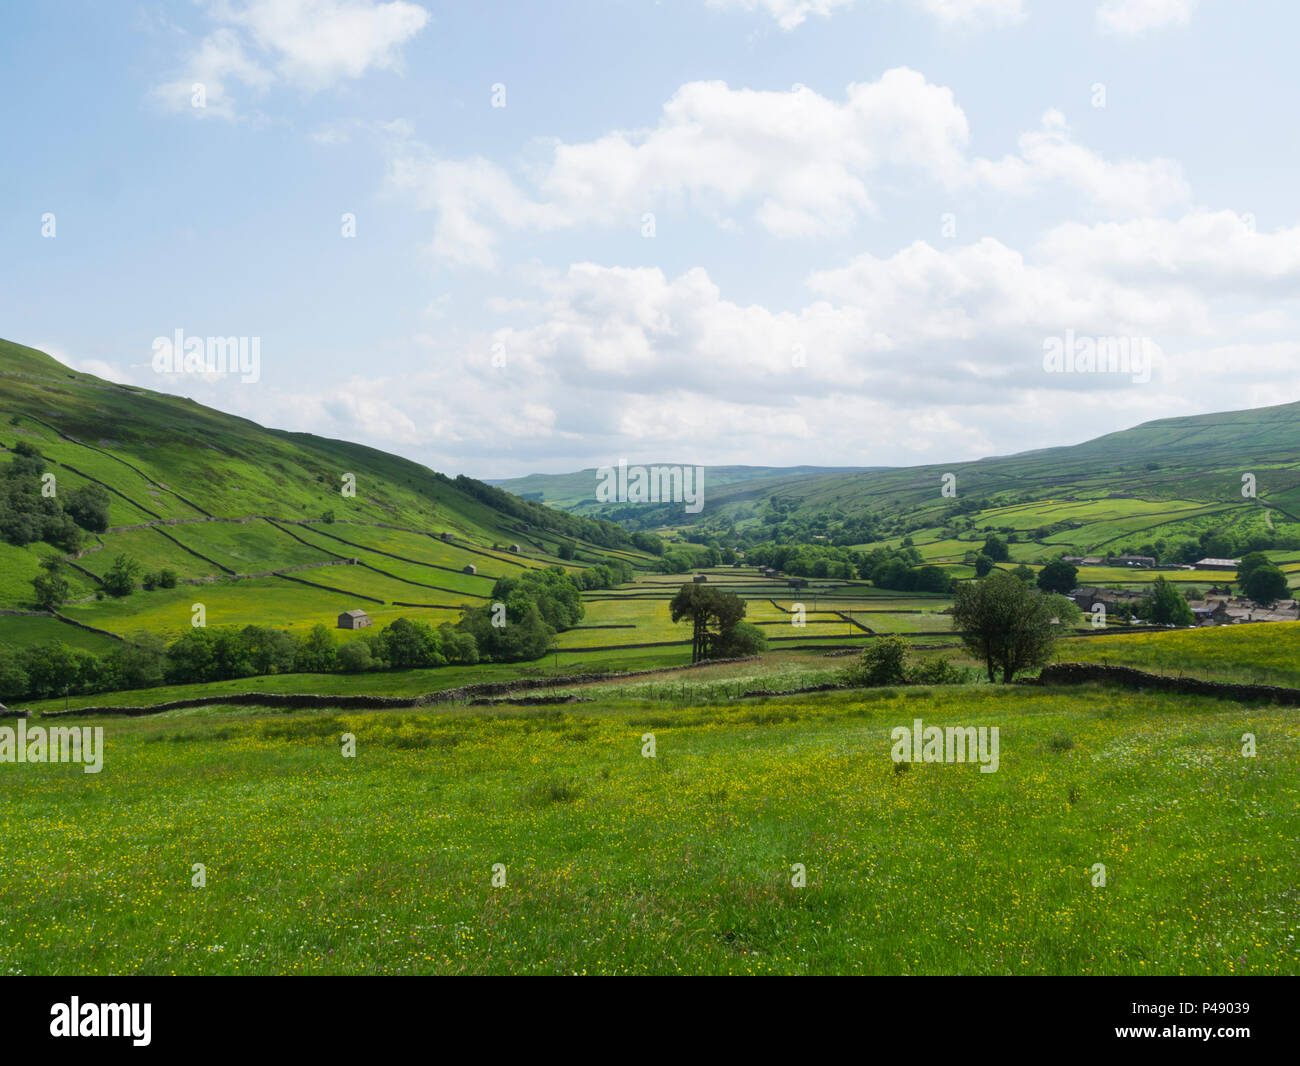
[(355, 619), (1240, 609), (1209, 612), (1131, 560), (1086, 598)]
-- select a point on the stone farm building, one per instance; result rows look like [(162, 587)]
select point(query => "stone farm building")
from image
[(1217, 564), (1086, 598), (1132, 560), (355, 619), (1209, 612), (1234, 610), (700, 579), (469, 568)]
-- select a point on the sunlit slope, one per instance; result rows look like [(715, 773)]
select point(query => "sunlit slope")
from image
[(253, 521), (169, 457), (1190, 461)]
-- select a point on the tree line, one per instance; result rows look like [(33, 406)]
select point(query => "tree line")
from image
[(518, 624)]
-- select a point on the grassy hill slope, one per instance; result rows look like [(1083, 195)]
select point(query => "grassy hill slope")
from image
[(255, 518), (1171, 478)]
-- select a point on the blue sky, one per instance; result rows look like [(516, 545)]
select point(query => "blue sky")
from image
[(871, 218)]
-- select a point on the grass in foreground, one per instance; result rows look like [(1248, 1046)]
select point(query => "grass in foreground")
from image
[(681, 863)]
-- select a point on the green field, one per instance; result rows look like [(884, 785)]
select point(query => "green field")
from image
[(616, 863), (1266, 654)]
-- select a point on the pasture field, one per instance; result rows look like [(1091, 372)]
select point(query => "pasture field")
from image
[(150, 549), (361, 579), (1136, 576), (252, 547), (645, 620), (23, 630), (350, 538), (19, 565), (1263, 653), (135, 498), (1097, 526), (270, 601), (681, 863)]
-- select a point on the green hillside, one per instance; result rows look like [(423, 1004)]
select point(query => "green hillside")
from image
[(252, 521), (1168, 480)]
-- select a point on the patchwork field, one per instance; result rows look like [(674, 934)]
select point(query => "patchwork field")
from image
[(272, 601), (617, 863)]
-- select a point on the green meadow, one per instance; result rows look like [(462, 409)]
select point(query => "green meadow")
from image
[(1251, 654), (607, 861)]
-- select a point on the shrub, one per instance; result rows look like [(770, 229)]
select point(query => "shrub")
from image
[(742, 639), (938, 671), (882, 662), (120, 578), (355, 658)]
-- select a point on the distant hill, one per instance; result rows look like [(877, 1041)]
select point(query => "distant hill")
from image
[(1174, 477), (576, 492)]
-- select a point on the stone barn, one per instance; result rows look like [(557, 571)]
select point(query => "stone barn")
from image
[(444, 536), (700, 579), (469, 569), (355, 619), (515, 548)]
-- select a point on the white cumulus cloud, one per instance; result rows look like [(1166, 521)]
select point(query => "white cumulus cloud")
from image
[(307, 44)]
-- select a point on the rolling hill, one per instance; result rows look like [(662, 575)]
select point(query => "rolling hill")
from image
[(254, 517), (1171, 478), (576, 492)]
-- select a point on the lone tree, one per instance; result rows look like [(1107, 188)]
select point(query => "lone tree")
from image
[(49, 585), (1005, 622), (1265, 585), (1165, 605), (1248, 563), (713, 614), (996, 548), (119, 579), (1058, 576)]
